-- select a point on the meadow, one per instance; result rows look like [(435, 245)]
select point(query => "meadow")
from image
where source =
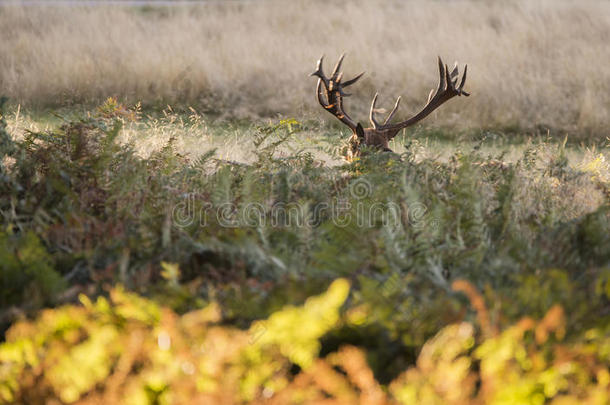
[(179, 223), (533, 64)]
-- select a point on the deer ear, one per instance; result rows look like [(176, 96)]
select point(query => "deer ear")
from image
[(359, 131)]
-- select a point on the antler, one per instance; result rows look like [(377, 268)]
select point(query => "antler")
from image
[(445, 91), (331, 98)]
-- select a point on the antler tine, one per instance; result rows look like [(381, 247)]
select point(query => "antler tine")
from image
[(441, 72), (392, 112), (454, 72), (374, 122), (335, 72), (354, 80), (336, 85), (461, 86), (450, 83), (319, 64), (320, 72)]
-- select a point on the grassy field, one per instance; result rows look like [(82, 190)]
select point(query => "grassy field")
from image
[(224, 251), (528, 62), (195, 134)]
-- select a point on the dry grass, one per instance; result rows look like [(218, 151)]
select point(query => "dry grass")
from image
[(530, 63), (194, 134)]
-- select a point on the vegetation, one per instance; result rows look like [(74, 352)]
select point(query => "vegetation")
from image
[(394, 278), (129, 350)]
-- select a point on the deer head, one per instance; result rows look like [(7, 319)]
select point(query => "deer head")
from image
[(330, 95)]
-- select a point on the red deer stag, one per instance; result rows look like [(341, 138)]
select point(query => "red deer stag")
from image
[(331, 98)]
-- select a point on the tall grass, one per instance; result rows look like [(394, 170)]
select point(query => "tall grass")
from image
[(542, 63)]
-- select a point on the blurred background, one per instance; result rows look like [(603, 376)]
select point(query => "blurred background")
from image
[(531, 64)]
